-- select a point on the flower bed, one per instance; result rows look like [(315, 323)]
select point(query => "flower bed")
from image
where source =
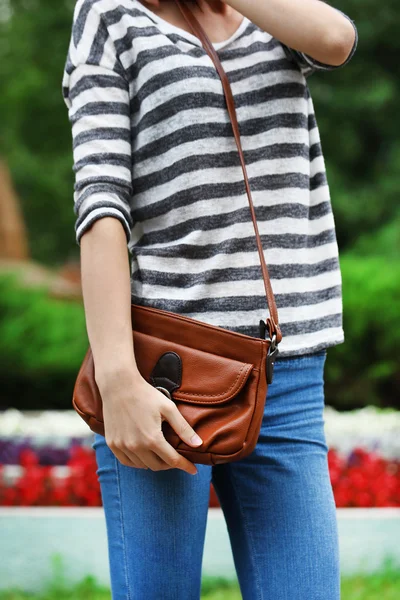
[(46, 459), (13, 452), (53, 433), (37, 485), (361, 479), (364, 479)]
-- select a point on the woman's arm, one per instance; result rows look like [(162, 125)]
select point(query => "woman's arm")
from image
[(132, 408), (309, 26), (96, 93), (107, 300)]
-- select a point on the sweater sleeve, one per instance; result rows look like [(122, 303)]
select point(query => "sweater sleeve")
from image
[(96, 93), (308, 65)]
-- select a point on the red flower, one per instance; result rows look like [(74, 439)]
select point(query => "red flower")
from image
[(28, 457)]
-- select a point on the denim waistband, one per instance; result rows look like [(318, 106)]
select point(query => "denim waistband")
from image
[(301, 358)]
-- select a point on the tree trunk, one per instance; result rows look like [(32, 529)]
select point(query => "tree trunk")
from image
[(13, 235)]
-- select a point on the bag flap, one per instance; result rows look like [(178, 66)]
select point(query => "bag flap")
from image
[(199, 377)]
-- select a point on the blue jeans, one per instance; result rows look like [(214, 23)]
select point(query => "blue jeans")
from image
[(277, 502)]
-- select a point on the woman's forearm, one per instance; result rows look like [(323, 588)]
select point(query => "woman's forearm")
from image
[(310, 26), (107, 299)]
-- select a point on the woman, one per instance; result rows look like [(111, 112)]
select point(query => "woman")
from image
[(157, 172)]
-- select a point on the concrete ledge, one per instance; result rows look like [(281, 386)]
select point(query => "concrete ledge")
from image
[(30, 536)]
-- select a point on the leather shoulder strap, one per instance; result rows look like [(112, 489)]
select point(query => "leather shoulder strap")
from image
[(272, 323)]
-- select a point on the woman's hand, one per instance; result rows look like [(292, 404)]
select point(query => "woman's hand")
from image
[(133, 411)]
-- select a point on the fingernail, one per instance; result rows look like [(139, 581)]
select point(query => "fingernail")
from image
[(196, 440)]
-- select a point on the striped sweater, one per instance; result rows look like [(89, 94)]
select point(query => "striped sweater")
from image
[(153, 147)]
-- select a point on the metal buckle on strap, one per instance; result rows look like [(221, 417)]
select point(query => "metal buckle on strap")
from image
[(273, 352)]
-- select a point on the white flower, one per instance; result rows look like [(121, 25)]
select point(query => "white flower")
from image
[(369, 428)]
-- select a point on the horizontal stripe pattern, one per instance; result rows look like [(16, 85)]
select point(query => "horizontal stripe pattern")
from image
[(153, 147)]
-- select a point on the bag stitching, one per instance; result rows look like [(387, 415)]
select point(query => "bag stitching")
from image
[(214, 395)]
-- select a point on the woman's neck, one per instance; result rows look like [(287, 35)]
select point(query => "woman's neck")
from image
[(218, 19)]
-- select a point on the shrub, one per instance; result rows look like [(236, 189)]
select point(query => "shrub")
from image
[(42, 344), (366, 368)]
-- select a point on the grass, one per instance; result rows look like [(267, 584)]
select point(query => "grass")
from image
[(384, 585)]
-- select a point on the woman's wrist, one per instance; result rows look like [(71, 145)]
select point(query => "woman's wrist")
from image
[(121, 374)]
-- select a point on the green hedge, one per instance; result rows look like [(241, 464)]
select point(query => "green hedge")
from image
[(365, 369), (38, 335), (43, 341), (42, 344)]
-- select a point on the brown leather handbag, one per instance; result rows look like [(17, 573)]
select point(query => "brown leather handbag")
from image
[(217, 378)]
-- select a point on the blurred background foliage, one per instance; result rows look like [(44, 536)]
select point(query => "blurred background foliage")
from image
[(357, 112)]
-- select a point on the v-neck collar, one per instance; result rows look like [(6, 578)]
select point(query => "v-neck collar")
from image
[(190, 36)]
